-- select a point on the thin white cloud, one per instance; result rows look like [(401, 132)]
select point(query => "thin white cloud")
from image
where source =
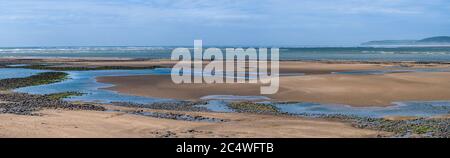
[(351, 6), (241, 19), (127, 11)]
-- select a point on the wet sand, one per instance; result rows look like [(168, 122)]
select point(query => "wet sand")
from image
[(69, 124), (317, 86), (285, 66), (354, 90)]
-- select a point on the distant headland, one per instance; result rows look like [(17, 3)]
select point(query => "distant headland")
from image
[(437, 40)]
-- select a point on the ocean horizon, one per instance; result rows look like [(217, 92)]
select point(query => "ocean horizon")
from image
[(350, 53)]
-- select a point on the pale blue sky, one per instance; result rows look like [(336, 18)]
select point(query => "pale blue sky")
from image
[(218, 22)]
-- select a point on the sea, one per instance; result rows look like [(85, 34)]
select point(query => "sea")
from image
[(357, 53)]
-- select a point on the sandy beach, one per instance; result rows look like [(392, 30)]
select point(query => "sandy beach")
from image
[(85, 124), (307, 67), (318, 85)]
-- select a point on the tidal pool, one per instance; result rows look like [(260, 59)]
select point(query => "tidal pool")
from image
[(18, 72), (84, 82), (417, 108), (234, 98)]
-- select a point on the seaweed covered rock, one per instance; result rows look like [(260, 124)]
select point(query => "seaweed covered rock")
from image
[(39, 79)]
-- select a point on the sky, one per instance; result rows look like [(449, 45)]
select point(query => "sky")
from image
[(218, 22)]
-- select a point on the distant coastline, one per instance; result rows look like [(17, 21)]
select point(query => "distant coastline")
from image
[(431, 41)]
